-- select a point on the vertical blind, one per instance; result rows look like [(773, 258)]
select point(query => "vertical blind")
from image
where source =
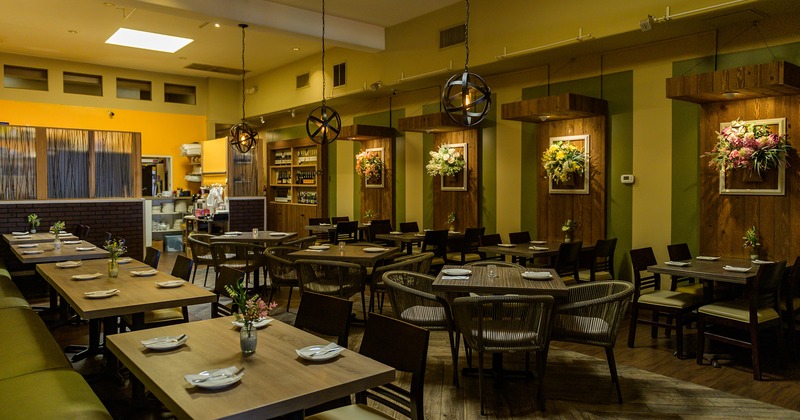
[(67, 163), (17, 163)]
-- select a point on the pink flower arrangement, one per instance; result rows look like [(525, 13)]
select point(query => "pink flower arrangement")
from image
[(250, 310), (369, 164), (749, 146)]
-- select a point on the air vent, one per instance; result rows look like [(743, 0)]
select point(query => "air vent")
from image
[(451, 36), (215, 69), (302, 81)]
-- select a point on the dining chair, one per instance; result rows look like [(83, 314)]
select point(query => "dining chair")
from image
[(414, 301), (301, 243), (409, 227), (281, 271), (592, 315), (418, 263), (151, 257), (247, 257), (166, 316), (107, 237), (756, 312), (491, 240), (506, 324), (338, 219), (681, 252), (325, 315), (336, 278), (84, 232), (379, 227), (315, 221), (602, 262), (790, 302), (467, 247), (200, 248), (405, 348), (227, 276), (648, 296), (567, 262), (518, 238), (436, 241), (346, 231)]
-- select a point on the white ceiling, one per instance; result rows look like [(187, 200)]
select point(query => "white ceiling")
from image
[(75, 30)]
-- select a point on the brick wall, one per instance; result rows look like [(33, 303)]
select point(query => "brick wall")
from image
[(122, 217), (247, 213)]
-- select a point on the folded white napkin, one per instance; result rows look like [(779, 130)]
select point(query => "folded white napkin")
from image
[(32, 251), (707, 258), (737, 269), (71, 242), (102, 292), (677, 263), (757, 261), (19, 233), (455, 277), (313, 250), (538, 248)]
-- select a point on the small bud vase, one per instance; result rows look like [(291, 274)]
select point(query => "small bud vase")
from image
[(113, 268), (57, 242), (568, 236), (248, 338)]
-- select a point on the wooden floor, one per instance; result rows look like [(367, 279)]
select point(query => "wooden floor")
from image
[(655, 384)]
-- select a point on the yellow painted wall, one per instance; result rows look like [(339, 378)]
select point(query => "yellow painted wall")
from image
[(162, 133)]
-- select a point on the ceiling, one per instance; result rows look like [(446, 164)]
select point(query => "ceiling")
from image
[(76, 30)]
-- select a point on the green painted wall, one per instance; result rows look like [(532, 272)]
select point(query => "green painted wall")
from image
[(488, 154), (427, 181)]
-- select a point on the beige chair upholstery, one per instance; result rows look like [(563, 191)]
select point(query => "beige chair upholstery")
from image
[(336, 278), (602, 263)]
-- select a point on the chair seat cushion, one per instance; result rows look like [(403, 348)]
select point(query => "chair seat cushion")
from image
[(795, 304), (350, 412), (205, 258), (586, 275), (502, 339), (50, 394), (28, 345), (456, 256), (575, 327), (670, 299), (737, 310), (424, 316), (693, 289), (158, 315)]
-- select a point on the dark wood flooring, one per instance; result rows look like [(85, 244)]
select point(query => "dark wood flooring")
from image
[(655, 384)]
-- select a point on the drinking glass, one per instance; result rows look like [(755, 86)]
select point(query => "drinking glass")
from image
[(492, 271)]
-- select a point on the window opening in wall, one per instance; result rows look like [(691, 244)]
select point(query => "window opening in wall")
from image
[(339, 75), (83, 84), (302, 81), (180, 94), (134, 89), (16, 77)]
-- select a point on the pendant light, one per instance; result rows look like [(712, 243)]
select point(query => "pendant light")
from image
[(466, 98), (323, 123), (243, 137)]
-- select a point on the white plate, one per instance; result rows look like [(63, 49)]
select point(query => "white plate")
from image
[(100, 294), (170, 284), (757, 261), (394, 232), (124, 260), (22, 236), (421, 235), (233, 233), (537, 275), (538, 248), (319, 247), (86, 276), (258, 324), (64, 234), (221, 382), (19, 233), (85, 248), (374, 249), (677, 263), (71, 242), (28, 245), (705, 258), (539, 242), (507, 245), (33, 251), (456, 272), (278, 234), (165, 343), (69, 264), (736, 269), (307, 353), (144, 273)]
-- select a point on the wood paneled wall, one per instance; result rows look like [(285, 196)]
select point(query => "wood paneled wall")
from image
[(380, 200), (466, 204), (587, 210), (724, 218)]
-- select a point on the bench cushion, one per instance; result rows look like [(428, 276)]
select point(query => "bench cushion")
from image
[(27, 346), (10, 296), (50, 394)]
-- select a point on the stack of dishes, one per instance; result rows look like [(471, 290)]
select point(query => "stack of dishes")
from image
[(180, 207), (156, 208), (176, 225), (168, 208)]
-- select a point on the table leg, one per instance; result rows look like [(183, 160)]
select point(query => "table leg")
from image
[(94, 343)]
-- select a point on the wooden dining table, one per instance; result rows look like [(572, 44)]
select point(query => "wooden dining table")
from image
[(80, 250), (406, 240), (507, 280), (264, 237), (527, 251), (35, 238), (331, 230), (276, 381), (137, 294), (355, 253), (709, 271)]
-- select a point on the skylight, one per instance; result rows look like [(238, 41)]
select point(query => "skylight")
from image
[(147, 40)]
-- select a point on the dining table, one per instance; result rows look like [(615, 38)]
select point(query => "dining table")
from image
[(264, 237), (82, 283), (710, 269), (407, 240), (364, 255), (530, 250), (275, 381), (34, 238), (330, 230), (45, 252)]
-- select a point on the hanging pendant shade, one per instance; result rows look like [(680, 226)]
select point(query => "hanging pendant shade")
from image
[(323, 123), (466, 98), (243, 136)]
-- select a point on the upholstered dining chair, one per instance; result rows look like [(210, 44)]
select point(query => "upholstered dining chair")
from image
[(151, 257), (592, 315), (567, 262), (681, 252), (467, 247), (409, 227), (315, 221), (648, 296), (508, 323), (167, 316), (405, 348), (419, 263), (414, 301), (602, 262), (336, 278), (491, 240), (758, 311), (436, 241), (337, 219), (281, 271), (519, 237), (346, 231), (200, 247)]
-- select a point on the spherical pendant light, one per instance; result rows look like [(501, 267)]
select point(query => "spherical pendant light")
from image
[(323, 123), (242, 136)]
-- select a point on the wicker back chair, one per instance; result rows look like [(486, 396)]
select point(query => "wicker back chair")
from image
[(281, 270), (245, 257), (199, 245), (592, 315), (418, 263), (335, 278), (302, 243)]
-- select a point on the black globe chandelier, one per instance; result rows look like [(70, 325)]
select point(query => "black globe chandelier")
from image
[(466, 98), (243, 137), (323, 123)]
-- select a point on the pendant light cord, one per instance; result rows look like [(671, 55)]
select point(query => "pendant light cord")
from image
[(242, 25), (323, 53), (466, 40)]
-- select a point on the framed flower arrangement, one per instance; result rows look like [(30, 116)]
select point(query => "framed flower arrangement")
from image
[(369, 164), (450, 163), (566, 164)]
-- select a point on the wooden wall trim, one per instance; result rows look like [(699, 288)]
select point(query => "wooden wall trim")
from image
[(466, 204)]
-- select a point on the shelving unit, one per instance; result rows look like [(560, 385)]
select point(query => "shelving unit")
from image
[(296, 187), (196, 162), (152, 219)]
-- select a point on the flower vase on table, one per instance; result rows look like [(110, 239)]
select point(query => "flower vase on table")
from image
[(250, 310), (113, 267), (568, 236), (115, 248), (57, 228), (568, 228), (248, 338), (751, 243), (57, 242)]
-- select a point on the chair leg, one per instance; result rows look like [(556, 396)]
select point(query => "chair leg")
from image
[(701, 338), (194, 272), (454, 354), (612, 367), (289, 301), (654, 329), (634, 321), (541, 364), (480, 380), (679, 335), (364, 305), (206, 279), (754, 345)]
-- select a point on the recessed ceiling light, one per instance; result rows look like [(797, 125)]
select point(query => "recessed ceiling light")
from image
[(72, 31), (147, 40), (216, 25), (295, 49), (109, 4)]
